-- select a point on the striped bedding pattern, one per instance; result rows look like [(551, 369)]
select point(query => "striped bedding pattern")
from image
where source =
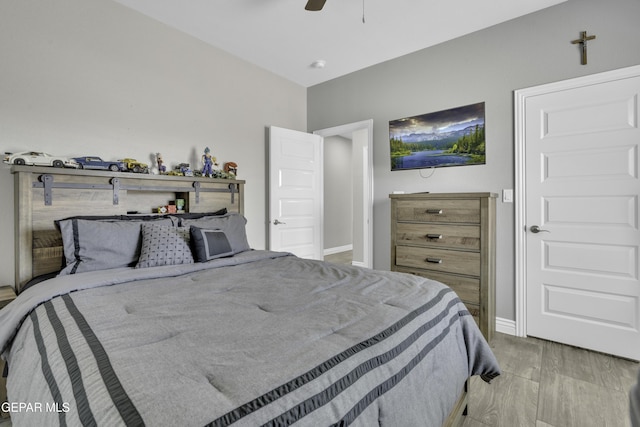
[(262, 339)]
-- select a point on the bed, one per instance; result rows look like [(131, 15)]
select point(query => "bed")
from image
[(143, 335)]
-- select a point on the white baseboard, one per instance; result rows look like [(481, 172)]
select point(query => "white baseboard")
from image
[(338, 249), (506, 326), (358, 263)]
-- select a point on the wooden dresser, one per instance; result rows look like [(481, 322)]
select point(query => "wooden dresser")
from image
[(449, 237)]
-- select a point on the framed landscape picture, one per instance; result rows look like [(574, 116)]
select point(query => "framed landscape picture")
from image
[(453, 137)]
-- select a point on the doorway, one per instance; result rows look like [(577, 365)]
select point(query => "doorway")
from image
[(357, 139)]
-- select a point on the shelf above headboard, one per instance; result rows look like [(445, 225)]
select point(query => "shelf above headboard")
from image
[(45, 194)]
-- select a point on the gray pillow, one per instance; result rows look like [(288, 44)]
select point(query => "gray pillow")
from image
[(164, 245), (101, 244), (209, 244), (197, 215), (233, 225)]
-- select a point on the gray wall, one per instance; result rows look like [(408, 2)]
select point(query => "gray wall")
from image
[(338, 192), (91, 77), (484, 66)]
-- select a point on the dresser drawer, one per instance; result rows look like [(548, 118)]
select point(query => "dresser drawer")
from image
[(436, 210), (446, 236), (448, 261), (467, 288)]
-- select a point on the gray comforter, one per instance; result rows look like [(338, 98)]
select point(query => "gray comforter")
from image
[(262, 338)]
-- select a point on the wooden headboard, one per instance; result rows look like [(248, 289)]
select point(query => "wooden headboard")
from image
[(44, 194)]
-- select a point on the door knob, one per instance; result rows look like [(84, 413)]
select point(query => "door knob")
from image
[(536, 229), (276, 222)]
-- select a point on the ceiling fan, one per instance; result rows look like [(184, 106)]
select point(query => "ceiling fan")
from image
[(315, 5)]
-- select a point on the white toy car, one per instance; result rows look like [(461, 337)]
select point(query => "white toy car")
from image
[(38, 158)]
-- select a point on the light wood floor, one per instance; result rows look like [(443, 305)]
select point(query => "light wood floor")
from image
[(340, 258), (545, 384)]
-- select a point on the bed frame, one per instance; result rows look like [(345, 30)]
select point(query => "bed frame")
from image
[(45, 194)]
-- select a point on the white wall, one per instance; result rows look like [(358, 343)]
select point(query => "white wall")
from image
[(487, 66), (82, 77)]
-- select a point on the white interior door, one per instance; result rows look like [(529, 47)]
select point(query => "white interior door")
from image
[(295, 193), (582, 214)]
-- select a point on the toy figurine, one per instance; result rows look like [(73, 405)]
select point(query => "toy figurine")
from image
[(208, 161), (161, 167), (231, 168)]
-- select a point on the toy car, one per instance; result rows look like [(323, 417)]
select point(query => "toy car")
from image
[(134, 166), (185, 169), (38, 158), (181, 169), (95, 162)]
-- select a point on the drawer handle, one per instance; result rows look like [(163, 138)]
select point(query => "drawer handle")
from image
[(434, 211), (434, 260), (434, 236)]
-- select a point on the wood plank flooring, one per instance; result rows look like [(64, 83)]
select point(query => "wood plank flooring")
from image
[(546, 384), (340, 258)]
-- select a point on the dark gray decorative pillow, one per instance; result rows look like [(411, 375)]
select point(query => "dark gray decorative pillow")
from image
[(209, 244), (164, 245), (101, 243), (197, 215), (233, 225)]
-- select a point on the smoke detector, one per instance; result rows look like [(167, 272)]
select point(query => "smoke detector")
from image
[(320, 63)]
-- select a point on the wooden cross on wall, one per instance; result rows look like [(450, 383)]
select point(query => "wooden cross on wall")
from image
[(583, 45)]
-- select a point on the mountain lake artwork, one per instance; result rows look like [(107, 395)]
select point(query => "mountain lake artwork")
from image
[(453, 137)]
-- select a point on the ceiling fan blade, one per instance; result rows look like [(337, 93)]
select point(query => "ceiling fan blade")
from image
[(315, 5)]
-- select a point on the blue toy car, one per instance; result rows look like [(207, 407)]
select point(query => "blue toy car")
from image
[(95, 162)]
